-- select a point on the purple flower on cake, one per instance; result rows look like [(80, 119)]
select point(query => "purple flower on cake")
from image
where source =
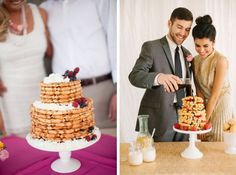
[(3, 152), (189, 58)]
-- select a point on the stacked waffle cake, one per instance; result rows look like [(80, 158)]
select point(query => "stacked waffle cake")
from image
[(62, 113), (192, 115)]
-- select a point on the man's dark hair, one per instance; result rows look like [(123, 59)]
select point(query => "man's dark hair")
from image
[(182, 14)]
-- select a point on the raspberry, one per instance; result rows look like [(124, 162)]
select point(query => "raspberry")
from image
[(87, 138), (207, 126), (75, 104), (82, 100), (176, 125), (76, 70), (193, 128), (70, 73), (185, 128)]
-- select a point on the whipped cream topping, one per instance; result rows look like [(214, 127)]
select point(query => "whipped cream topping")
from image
[(52, 106), (55, 78)]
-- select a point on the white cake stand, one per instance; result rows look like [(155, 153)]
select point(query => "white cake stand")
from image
[(192, 152), (65, 164)]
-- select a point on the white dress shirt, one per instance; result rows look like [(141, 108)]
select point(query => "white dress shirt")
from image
[(173, 46), (83, 34)]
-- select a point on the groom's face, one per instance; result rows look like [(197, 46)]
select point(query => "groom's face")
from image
[(179, 30)]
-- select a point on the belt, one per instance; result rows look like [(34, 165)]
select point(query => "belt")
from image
[(95, 80)]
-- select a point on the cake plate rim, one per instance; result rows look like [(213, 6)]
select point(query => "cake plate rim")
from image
[(53, 146), (192, 132)]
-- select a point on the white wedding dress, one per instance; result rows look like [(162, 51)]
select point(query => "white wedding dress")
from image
[(21, 70)]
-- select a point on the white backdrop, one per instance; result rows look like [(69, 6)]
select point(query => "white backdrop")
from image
[(142, 20)]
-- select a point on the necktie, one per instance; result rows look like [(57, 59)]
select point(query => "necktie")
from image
[(178, 72)]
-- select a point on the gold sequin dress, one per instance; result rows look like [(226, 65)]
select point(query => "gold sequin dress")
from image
[(204, 72)]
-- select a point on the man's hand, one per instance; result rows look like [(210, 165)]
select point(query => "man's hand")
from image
[(112, 108), (2, 88), (169, 81)]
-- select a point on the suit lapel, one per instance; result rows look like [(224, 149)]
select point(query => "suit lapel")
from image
[(166, 49)]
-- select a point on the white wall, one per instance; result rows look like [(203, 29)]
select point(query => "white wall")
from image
[(142, 20)]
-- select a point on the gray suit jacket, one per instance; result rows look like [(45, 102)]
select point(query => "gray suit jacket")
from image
[(155, 58)]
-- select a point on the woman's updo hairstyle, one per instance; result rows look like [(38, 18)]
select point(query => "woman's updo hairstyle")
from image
[(204, 28)]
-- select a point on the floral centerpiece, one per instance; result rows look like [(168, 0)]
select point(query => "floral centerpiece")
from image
[(3, 152)]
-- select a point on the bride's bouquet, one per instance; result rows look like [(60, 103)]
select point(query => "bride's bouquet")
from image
[(3, 152)]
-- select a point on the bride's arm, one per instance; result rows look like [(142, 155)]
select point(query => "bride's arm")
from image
[(49, 51), (221, 70), (198, 92)]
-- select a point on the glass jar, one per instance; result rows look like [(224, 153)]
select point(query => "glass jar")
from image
[(145, 140), (135, 156), (149, 154)]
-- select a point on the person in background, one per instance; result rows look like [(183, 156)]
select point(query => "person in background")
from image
[(83, 34), (210, 70), (21, 62), (4, 17), (158, 69)]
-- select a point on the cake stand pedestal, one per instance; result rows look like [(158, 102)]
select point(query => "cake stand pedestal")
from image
[(192, 152), (65, 164)]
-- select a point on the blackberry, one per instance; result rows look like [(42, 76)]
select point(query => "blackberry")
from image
[(66, 73), (73, 78), (90, 129), (94, 137), (82, 105)]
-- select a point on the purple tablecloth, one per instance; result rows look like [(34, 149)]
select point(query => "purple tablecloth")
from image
[(98, 159)]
